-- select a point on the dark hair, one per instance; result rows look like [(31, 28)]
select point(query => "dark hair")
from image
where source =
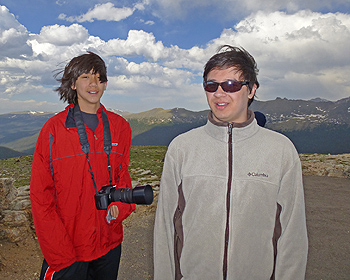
[(227, 57), (77, 66), (260, 118)]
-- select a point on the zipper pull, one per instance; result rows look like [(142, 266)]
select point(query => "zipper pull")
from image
[(95, 136), (230, 126)]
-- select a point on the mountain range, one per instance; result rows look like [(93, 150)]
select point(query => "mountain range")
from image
[(314, 126)]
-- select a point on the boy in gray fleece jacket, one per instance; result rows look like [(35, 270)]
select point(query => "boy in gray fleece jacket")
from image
[(231, 202)]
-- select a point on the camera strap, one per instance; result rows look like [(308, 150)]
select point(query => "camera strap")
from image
[(84, 142)]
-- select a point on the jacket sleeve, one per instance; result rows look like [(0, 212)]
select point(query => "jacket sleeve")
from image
[(164, 261), (54, 241), (292, 246), (122, 178)]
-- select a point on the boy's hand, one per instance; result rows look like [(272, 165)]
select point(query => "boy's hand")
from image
[(114, 211)]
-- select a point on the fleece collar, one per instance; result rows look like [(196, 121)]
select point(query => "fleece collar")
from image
[(241, 131)]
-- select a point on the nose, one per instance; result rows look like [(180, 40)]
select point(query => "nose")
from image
[(94, 80), (219, 92)]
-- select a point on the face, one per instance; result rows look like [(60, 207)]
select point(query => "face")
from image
[(229, 106), (89, 91)]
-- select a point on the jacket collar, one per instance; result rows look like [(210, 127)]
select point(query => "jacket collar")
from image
[(240, 131), (70, 122)]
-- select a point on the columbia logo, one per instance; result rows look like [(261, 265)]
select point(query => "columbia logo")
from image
[(256, 174), (114, 144)]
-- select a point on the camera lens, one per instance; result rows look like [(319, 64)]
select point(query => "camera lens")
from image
[(138, 195), (142, 194)]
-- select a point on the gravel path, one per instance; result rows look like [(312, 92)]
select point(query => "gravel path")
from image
[(328, 221)]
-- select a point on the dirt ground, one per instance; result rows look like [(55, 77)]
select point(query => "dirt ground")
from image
[(328, 221)]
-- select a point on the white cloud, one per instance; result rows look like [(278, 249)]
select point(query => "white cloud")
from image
[(228, 9), (107, 12), (293, 6), (141, 43), (60, 35), (137, 43), (145, 79), (13, 36), (304, 36), (8, 105), (60, 43), (148, 22), (61, 2), (306, 45), (300, 55), (10, 65)]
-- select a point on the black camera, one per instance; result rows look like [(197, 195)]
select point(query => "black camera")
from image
[(138, 195)]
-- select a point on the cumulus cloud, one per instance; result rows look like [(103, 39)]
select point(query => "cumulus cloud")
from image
[(228, 9), (8, 105), (141, 43), (300, 55), (292, 6), (13, 36), (137, 43), (59, 42), (295, 38), (147, 74), (60, 35), (148, 84), (107, 12), (294, 48)]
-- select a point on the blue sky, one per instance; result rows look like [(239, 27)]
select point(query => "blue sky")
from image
[(155, 50)]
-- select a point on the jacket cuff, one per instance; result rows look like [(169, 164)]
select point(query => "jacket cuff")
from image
[(109, 217)]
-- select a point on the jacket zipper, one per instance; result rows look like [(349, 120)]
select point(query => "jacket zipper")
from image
[(228, 200)]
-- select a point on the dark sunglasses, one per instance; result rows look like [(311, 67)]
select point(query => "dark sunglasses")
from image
[(227, 86)]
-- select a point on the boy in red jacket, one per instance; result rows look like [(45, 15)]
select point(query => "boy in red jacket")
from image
[(71, 164)]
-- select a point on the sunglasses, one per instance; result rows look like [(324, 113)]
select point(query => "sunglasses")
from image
[(227, 86)]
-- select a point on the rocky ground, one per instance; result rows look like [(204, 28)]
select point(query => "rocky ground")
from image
[(327, 193), (326, 165)]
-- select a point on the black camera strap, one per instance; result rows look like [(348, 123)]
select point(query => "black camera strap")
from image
[(84, 142), (107, 141)]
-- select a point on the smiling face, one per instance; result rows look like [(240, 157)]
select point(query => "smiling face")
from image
[(229, 106), (89, 91)]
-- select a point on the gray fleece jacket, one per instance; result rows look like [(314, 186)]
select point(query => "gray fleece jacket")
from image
[(231, 206)]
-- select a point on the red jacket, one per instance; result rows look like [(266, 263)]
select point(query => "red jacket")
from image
[(67, 223)]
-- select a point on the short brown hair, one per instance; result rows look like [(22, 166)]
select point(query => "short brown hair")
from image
[(77, 66), (227, 57)]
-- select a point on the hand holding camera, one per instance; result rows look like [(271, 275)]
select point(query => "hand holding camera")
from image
[(138, 195)]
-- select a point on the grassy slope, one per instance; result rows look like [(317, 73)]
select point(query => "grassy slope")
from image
[(141, 158), (151, 158)]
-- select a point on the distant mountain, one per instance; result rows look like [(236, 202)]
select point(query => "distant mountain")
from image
[(288, 115), (158, 127), (314, 126), (19, 130), (9, 153)]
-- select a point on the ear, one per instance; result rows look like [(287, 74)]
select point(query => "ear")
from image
[(252, 92), (105, 86), (73, 87)]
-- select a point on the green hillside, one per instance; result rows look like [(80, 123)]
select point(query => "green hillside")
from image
[(25, 145), (141, 158), (9, 153), (152, 115), (314, 126)]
